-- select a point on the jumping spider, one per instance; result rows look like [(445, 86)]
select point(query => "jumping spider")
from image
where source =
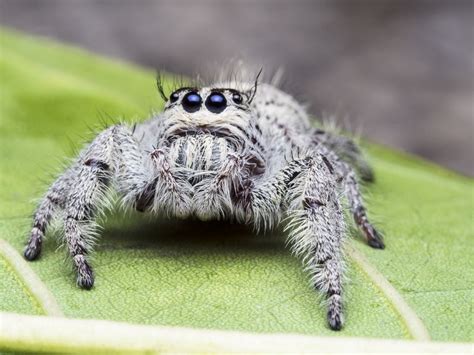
[(225, 151)]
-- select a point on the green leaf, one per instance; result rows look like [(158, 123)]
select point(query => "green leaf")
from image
[(212, 275)]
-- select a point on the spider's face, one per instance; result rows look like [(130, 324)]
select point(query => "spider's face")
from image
[(202, 126), (219, 112)]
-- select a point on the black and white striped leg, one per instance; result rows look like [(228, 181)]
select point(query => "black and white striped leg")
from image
[(48, 207), (317, 230), (307, 191), (81, 194), (374, 238), (85, 201), (348, 178)]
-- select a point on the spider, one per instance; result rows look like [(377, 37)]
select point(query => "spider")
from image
[(223, 151)]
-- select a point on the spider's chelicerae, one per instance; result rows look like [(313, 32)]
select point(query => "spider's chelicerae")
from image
[(225, 151)]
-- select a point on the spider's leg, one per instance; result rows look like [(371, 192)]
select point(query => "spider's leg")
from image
[(348, 179), (94, 170), (131, 181), (347, 150), (317, 229), (115, 156), (49, 205), (263, 202), (82, 205), (308, 192), (81, 193), (374, 238)]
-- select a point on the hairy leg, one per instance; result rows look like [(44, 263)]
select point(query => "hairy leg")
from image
[(347, 150), (374, 239), (262, 203), (308, 192), (81, 193), (347, 176), (49, 205), (84, 202), (317, 229)]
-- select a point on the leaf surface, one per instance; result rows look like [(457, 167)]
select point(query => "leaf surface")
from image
[(214, 275)]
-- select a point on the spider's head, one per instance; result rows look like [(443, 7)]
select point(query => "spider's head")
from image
[(219, 111), (202, 125)]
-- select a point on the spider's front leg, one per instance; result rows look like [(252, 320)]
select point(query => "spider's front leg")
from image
[(81, 193), (317, 229), (308, 193)]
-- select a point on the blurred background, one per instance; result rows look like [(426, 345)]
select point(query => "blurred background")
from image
[(400, 72)]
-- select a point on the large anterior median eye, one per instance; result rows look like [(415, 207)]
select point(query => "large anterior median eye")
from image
[(191, 101), (216, 102)]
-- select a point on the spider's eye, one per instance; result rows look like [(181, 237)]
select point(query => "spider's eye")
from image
[(174, 97), (216, 102), (191, 101), (237, 98)]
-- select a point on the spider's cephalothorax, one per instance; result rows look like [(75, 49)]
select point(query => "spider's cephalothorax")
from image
[(226, 151)]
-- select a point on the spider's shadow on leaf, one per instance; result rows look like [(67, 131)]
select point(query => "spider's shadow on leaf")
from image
[(140, 232)]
